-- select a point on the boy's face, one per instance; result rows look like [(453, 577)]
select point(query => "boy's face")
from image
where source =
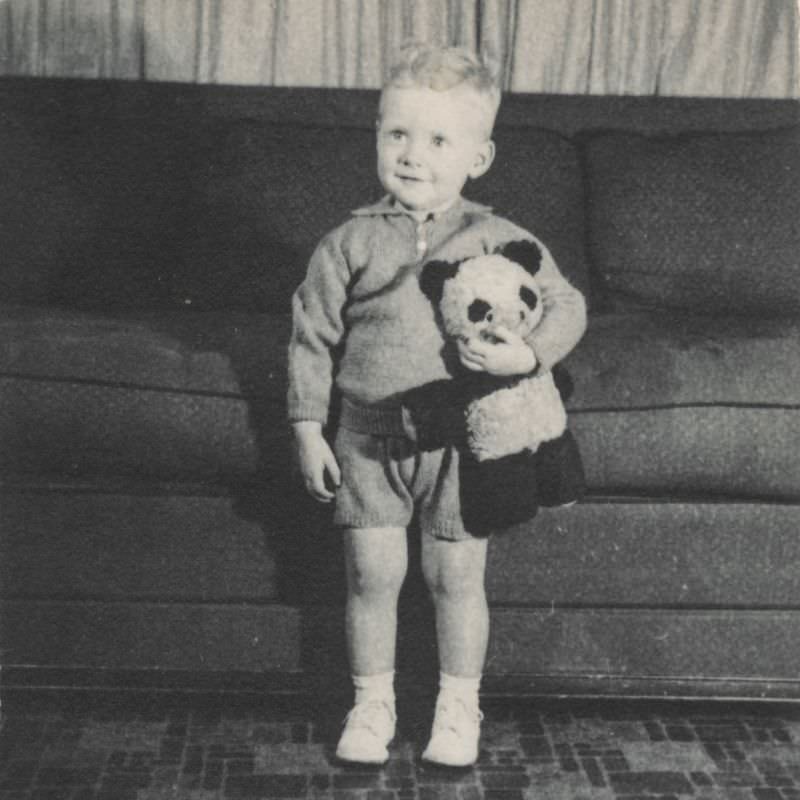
[(429, 143)]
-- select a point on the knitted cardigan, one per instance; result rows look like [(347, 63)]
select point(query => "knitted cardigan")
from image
[(361, 321)]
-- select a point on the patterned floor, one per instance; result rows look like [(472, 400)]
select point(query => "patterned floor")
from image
[(226, 749)]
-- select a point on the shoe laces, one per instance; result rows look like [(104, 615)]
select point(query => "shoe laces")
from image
[(370, 714), (452, 713)]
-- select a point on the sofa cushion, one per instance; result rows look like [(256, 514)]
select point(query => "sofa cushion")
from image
[(170, 213), (676, 405), (93, 208), (537, 182), (155, 397), (265, 196), (708, 221)]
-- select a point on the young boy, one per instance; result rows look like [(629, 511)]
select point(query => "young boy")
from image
[(362, 324)]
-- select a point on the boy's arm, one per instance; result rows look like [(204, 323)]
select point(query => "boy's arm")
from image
[(317, 463), (317, 328), (564, 320)]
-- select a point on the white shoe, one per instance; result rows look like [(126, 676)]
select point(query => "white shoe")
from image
[(455, 734), (368, 730)]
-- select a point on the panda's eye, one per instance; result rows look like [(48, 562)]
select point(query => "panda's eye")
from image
[(528, 296), (478, 310)]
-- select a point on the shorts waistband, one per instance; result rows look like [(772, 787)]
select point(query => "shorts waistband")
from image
[(377, 420)]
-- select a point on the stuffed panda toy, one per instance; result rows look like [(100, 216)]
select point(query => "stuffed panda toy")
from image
[(515, 450)]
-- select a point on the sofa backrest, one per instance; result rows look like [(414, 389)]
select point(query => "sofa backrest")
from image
[(706, 223), (118, 195)]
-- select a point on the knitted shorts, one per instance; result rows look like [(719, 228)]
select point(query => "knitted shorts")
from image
[(386, 481)]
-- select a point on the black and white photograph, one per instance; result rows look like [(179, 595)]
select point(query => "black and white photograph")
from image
[(399, 399)]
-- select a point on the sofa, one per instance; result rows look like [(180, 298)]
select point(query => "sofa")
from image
[(153, 534)]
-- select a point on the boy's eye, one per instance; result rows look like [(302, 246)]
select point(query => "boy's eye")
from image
[(397, 135), (438, 141)]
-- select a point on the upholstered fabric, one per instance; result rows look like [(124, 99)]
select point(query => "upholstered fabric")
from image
[(93, 207), (708, 222), (266, 195), (184, 397), (675, 404)]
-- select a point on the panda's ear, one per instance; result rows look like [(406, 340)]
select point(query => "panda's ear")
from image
[(525, 253), (433, 276)]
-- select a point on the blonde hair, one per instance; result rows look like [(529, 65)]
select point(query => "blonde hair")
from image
[(442, 68)]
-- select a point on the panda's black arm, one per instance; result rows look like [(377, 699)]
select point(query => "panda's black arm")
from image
[(438, 413)]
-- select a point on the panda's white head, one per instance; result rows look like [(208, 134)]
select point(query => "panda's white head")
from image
[(478, 295)]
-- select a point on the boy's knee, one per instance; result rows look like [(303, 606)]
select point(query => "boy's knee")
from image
[(456, 584), (377, 564), (455, 569), (374, 579)]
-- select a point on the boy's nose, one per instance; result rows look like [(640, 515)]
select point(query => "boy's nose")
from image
[(409, 160), (410, 157)]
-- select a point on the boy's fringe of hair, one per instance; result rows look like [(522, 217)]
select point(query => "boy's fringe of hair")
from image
[(440, 68)]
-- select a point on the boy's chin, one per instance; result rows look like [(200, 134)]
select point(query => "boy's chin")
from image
[(417, 208), (411, 202), (410, 199), (419, 205)]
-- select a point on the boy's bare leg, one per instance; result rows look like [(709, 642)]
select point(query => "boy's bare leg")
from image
[(454, 572), (376, 560)]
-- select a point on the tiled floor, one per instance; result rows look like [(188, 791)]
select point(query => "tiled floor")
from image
[(235, 749)]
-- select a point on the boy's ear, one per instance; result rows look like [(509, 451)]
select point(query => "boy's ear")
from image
[(483, 159), (433, 276), (524, 252)]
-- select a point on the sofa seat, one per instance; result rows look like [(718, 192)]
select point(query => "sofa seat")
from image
[(689, 405), (661, 406), (154, 396)]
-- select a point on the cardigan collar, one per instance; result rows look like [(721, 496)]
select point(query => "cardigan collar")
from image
[(388, 206)]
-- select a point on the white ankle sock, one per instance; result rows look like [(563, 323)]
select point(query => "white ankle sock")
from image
[(466, 689), (375, 687)]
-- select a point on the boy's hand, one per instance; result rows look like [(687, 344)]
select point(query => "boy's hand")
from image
[(508, 356), (316, 460)]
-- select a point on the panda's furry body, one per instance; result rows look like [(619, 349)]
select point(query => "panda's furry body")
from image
[(489, 432)]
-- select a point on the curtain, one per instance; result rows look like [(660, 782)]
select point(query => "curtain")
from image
[(734, 48), (741, 48), (265, 42)]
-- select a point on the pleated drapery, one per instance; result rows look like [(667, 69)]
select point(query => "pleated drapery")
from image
[(733, 48), (727, 48)]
